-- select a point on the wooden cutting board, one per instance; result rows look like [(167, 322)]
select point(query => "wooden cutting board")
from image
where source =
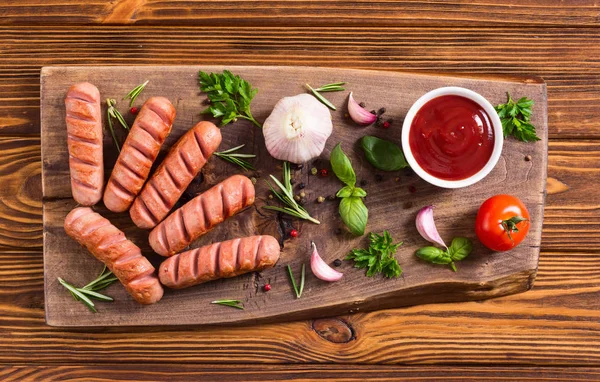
[(393, 201)]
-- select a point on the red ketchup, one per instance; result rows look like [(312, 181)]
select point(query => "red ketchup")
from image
[(451, 137)]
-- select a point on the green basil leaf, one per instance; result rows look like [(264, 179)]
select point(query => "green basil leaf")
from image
[(341, 166), (344, 192), (354, 214), (460, 248), (382, 154), (433, 255), (357, 191)]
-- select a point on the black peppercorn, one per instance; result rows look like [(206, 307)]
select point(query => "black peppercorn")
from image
[(362, 104), (373, 112), (301, 185), (337, 262), (378, 177), (381, 111), (331, 197)]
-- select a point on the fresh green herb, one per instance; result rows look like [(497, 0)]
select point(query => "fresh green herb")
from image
[(353, 211), (236, 158), (383, 155), (112, 112), (135, 92), (104, 279), (230, 96), (286, 195), (379, 257), (460, 248), (334, 87), (293, 280), (516, 119), (232, 303)]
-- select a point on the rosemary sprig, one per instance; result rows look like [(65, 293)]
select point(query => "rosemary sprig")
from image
[(334, 87), (236, 158), (104, 279), (111, 113), (287, 197), (293, 280), (232, 303), (132, 95)]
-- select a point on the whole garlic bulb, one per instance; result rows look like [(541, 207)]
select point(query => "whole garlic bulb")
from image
[(297, 129)]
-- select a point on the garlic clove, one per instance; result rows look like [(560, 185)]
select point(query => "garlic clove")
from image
[(320, 268), (297, 129), (426, 226), (359, 114)]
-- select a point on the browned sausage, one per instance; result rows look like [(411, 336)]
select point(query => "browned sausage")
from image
[(109, 245), (219, 260), (84, 140), (201, 214), (139, 151), (185, 159)]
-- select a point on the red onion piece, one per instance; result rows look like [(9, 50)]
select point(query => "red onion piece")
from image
[(426, 226), (320, 268), (359, 114)]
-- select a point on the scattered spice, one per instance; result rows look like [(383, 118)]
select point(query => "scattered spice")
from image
[(270, 196), (528, 158), (386, 125), (314, 171), (253, 180), (362, 104), (337, 262), (412, 189), (294, 233), (301, 185), (134, 110), (378, 177), (299, 166), (324, 172), (346, 115), (320, 199), (331, 197), (267, 287), (381, 111), (297, 198), (397, 179), (302, 201), (373, 112), (302, 194)]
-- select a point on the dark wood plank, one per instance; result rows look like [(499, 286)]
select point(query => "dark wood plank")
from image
[(303, 13), (249, 372), (481, 275), (564, 57)]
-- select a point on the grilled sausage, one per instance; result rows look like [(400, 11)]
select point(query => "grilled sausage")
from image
[(185, 159), (139, 151), (109, 245), (219, 260), (201, 214), (84, 140)]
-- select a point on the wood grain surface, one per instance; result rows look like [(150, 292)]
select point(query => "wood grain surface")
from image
[(555, 325), (481, 276)]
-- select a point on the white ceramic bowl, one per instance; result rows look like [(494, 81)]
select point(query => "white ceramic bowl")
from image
[(496, 126)]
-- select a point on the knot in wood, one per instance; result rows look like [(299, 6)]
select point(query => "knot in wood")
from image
[(333, 330)]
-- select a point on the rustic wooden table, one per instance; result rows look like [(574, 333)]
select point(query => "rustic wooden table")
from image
[(551, 331)]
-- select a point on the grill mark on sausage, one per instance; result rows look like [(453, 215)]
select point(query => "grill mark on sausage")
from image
[(236, 248), (70, 95), (207, 221), (134, 144), (81, 117), (118, 185), (244, 197), (141, 277), (123, 259), (130, 169), (82, 139), (176, 261), (83, 184), (172, 178), (162, 237), (188, 166), (217, 272), (162, 117), (225, 207), (110, 241), (154, 134), (258, 248), (162, 197), (89, 233), (195, 259), (147, 211), (82, 161), (201, 147), (181, 220)]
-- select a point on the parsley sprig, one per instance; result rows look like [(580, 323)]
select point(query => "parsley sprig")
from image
[(86, 293), (516, 119), (230, 96), (379, 257)]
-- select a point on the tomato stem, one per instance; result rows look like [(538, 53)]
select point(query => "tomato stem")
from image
[(510, 225)]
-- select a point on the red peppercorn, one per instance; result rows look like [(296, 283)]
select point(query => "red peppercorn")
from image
[(386, 125), (134, 110), (324, 172), (412, 189), (294, 233), (267, 287)]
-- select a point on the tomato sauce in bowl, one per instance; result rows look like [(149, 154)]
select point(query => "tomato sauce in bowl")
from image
[(451, 137)]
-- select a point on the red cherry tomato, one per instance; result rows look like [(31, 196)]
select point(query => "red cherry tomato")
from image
[(502, 222)]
